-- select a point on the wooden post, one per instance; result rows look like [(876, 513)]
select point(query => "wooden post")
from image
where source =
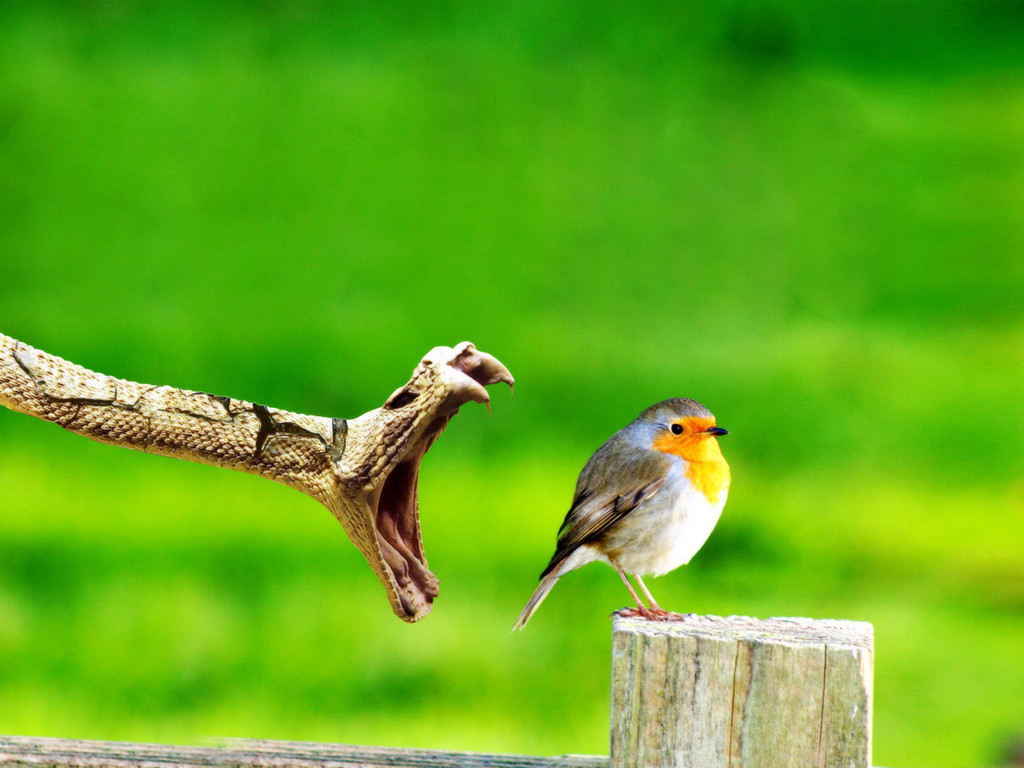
[(711, 692)]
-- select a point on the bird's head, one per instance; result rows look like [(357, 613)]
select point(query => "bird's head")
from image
[(681, 427)]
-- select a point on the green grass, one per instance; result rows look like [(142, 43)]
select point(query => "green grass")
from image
[(806, 216)]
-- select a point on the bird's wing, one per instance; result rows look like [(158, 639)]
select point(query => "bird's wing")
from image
[(610, 487)]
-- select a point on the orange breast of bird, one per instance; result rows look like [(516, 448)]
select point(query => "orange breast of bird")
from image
[(706, 467)]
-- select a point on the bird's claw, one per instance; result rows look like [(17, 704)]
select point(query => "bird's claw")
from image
[(655, 613)]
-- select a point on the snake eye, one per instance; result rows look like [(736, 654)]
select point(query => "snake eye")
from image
[(677, 429), (401, 397)]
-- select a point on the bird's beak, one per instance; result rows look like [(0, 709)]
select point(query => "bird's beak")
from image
[(716, 431)]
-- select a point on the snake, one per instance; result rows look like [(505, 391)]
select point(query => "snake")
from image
[(365, 470)]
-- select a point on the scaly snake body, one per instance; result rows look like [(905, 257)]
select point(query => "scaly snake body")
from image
[(364, 470)]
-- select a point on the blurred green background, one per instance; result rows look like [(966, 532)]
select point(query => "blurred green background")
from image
[(808, 216)]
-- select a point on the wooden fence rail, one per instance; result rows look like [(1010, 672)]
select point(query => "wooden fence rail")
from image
[(706, 692), (243, 753)]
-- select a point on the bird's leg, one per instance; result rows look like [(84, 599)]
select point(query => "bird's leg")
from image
[(655, 609), (641, 609)]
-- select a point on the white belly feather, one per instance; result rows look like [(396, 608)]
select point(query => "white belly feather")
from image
[(661, 535), (674, 534)]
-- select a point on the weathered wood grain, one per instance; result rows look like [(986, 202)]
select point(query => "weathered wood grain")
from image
[(20, 752), (737, 692)]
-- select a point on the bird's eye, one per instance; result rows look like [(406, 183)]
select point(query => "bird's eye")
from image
[(677, 429)]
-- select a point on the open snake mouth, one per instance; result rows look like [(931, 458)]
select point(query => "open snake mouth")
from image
[(395, 502), (395, 506), (364, 470)]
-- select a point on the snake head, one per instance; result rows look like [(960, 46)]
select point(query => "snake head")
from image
[(378, 470)]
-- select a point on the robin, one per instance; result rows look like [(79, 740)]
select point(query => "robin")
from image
[(645, 502)]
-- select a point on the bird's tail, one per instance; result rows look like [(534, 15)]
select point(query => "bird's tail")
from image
[(534, 602)]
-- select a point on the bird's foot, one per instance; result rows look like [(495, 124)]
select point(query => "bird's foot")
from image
[(655, 613), (628, 613), (640, 612)]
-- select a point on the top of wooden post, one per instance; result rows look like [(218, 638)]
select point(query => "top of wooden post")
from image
[(832, 632)]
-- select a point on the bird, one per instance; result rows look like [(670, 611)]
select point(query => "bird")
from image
[(365, 470), (645, 502)]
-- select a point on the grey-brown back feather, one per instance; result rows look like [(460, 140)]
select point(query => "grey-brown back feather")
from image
[(618, 478)]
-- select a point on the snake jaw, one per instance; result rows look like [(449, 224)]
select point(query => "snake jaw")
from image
[(364, 470), (406, 426), (467, 371), (410, 584)]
